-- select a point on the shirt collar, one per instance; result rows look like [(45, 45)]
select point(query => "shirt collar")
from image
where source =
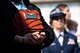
[(19, 6), (57, 33)]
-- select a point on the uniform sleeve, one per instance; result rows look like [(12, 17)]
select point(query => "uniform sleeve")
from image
[(49, 37), (46, 50)]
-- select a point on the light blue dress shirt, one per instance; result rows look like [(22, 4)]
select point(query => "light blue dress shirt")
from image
[(19, 5)]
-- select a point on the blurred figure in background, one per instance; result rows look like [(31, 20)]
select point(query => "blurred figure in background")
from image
[(65, 9), (64, 41), (72, 26)]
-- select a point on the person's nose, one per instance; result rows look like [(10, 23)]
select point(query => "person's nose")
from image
[(59, 20)]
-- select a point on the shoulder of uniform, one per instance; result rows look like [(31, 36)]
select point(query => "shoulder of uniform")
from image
[(72, 36)]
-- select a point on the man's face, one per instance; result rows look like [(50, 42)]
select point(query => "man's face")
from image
[(67, 12), (58, 23)]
